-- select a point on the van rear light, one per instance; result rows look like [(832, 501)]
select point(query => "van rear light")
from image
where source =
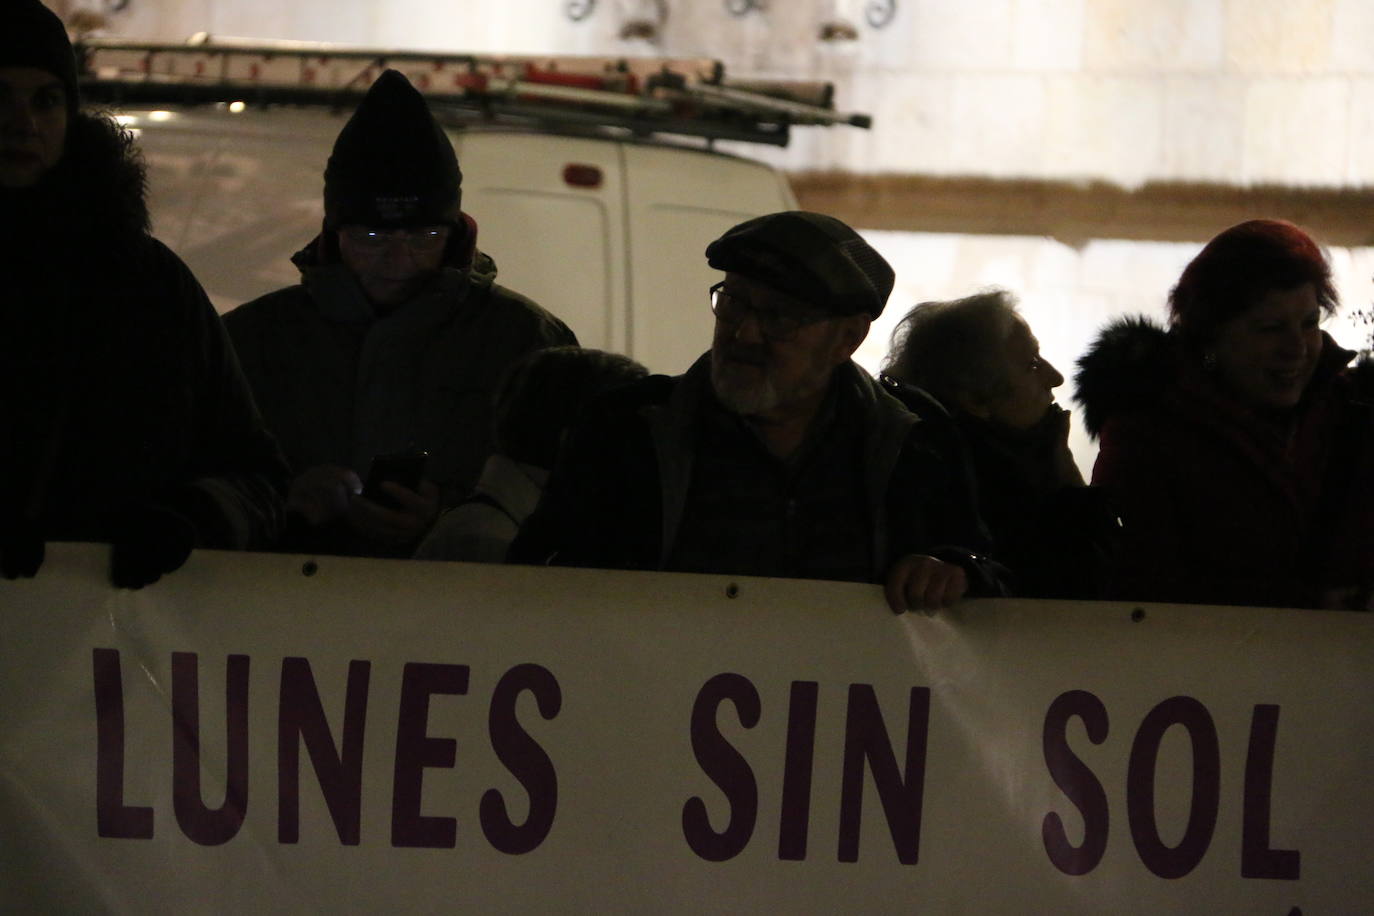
[(582, 176)]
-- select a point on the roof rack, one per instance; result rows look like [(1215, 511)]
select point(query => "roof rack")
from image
[(644, 95)]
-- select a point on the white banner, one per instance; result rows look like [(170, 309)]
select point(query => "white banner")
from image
[(269, 733)]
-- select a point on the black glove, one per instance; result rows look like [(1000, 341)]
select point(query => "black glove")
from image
[(21, 549), (147, 541)]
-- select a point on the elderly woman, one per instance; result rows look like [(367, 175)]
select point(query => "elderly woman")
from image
[(979, 360), (1237, 442)]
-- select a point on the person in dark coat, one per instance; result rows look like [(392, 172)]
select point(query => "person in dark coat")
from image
[(124, 417), (774, 454), (1238, 442), (394, 339), (979, 360), (538, 399)]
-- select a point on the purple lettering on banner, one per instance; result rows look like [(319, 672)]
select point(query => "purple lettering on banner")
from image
[(1257, 859), (526, 760), (1076, 780), (415, 751), (865, 738), (727, 768), (1179, 860), (113, 818), (796, 773), (300, 717), (208, 826)]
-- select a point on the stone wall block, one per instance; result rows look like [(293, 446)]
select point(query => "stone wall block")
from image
[(1141, 272), (1352, 37), (1153, 36), (1359, 163), (913, 123), (1103, 127), (1296, 131), (1047, 35), (943, 35), (997, 124), (1280, 36), (1053, 269), (1204, 128)]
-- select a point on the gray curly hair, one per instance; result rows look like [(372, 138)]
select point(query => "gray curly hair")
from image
[(953, 349)]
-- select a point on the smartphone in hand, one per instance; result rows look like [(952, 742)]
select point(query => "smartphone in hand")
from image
[(404, 468)]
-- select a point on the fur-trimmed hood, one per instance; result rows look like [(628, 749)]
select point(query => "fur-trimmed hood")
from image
[(1134, 363), (94, 196), (1126, 368)]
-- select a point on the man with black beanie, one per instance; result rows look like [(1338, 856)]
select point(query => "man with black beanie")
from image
[(393, 341), (775, 454), (124, 417)]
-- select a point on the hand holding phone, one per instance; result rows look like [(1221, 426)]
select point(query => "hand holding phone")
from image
[(322, 493), (404, 468), (399, 518)]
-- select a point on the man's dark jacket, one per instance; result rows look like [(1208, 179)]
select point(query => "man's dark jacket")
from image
[(624, 484)]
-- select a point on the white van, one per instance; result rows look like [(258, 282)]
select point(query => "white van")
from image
[(604, 228), (606, 233)]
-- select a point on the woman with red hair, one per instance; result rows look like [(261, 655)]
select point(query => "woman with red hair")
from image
[(1238, 444)]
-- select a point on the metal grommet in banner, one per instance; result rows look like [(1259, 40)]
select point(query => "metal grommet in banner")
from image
[(732, 590), (309, 568), (1138, 615)]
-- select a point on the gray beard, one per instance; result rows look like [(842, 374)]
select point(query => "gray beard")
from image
[(743, 396)]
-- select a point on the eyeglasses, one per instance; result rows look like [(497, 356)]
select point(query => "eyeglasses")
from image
[(421, 240), (777, 326)]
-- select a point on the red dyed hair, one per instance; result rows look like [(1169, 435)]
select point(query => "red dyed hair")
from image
[(1238, 267)]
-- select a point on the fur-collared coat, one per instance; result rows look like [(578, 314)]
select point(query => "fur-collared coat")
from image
[(1222, 504), (118, 385)]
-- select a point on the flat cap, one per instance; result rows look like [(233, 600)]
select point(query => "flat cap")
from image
[(811, 256)]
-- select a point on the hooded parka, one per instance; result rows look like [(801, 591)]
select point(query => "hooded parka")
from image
[(118, 386), (1222, 503), (341, 383)]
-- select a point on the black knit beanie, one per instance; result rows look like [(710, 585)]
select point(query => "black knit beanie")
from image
[(392, 164), (31, 35)]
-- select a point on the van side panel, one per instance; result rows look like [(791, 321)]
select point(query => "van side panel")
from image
[(607, 234), (678, 202), (549, 210), (236, 196)]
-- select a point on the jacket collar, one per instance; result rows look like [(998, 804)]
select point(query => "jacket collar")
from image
[(339, 296), (1276, 449), (672, 429)]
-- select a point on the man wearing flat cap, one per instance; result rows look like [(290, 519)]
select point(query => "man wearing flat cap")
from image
[(774, 454), (392, 343)]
